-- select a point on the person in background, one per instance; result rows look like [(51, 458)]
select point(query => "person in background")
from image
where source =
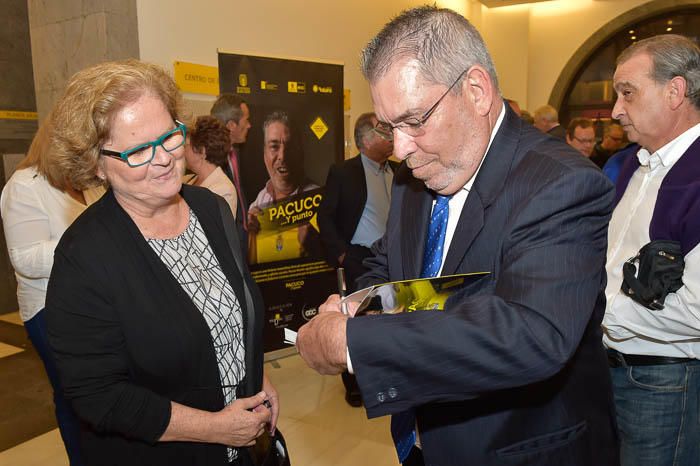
[(654, 351), (206, 151), (152, 315), (233, 112), (526, 117), (37, 205), (613, 138), (580, 134), (355, 208), (546, 119), (514, 106), (612, 167)]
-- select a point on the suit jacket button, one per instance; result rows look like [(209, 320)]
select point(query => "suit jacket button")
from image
[(392, 392), (381, 396)]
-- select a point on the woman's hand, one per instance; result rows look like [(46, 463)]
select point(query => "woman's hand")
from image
[(241, 422)]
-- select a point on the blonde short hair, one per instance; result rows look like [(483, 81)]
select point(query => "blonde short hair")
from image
[(39, 156), (82, 117)]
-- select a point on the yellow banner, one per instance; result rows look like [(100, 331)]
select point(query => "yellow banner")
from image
[(198, 79), (18, 115)]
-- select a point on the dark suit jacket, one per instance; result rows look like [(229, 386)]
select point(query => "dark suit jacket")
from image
[(342, 205), (128, 339), (558, 132), (513, 372)]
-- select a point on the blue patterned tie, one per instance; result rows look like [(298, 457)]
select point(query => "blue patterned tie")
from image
[(403, 424)]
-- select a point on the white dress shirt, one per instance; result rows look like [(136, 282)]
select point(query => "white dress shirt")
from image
[(455, 205), (372, 223), (34, 216), (631, 328)]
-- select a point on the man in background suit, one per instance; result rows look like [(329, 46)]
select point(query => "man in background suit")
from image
[(354, 210), (233, 111), (546, 119), (513, 370)]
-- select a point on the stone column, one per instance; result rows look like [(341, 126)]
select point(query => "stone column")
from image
[(69, 35)]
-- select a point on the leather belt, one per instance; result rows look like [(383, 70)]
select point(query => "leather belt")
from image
[(617, 359)]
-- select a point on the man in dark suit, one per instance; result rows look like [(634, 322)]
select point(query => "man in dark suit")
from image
[(233, 111), (513, 370), (546, 119), (354, 210)]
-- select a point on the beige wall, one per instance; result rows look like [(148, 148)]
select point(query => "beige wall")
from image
[(69, 35), (313, 29), (530, 44)]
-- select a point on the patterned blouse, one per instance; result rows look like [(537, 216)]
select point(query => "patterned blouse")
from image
[(192, 262)]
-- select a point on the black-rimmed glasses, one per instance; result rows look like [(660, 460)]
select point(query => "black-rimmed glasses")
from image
[(144, 153), (412, 126)]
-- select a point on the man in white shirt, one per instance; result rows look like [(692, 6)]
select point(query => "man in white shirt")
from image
[(654, 353)]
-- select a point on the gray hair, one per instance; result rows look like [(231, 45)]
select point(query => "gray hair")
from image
[(547, 113), (228, 107), (443, 42), (609, 127), (672, 55), (278, 116), (363, 125)]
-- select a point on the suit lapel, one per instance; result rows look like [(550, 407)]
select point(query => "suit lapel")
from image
[(488, 184), (361, 183), (415, 217)]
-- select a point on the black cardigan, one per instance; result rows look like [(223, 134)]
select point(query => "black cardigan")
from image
[(127, 338)]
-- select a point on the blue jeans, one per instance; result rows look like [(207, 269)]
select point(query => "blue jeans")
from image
[(658, 414), (68, 423)]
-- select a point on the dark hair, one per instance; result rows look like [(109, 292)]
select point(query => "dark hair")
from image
[(210, 134), (672, 55), (277, 116), (578, 123), (228, 107), (363, 125), (443, 42)]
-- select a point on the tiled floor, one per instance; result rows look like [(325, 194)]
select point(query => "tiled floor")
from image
[(320, 428)]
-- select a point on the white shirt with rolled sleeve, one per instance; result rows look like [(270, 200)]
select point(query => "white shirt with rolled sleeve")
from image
[(631, 328), (34, 216)]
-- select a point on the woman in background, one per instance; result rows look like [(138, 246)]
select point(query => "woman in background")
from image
[(206, 151), (153, 318), (37, 205)]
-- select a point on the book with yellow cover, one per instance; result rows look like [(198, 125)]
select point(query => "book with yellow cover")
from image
[(420, 294)]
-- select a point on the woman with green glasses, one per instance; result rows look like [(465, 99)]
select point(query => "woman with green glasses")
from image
[(152, 315)]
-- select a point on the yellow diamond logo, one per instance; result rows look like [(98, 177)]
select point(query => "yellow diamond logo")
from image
[(319, 127)]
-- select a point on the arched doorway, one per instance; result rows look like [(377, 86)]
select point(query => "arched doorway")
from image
[(584, 87)]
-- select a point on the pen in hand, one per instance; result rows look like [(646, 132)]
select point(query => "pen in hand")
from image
[(342, 290)]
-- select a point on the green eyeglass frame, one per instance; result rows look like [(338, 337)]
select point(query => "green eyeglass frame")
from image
[(138, 156)]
